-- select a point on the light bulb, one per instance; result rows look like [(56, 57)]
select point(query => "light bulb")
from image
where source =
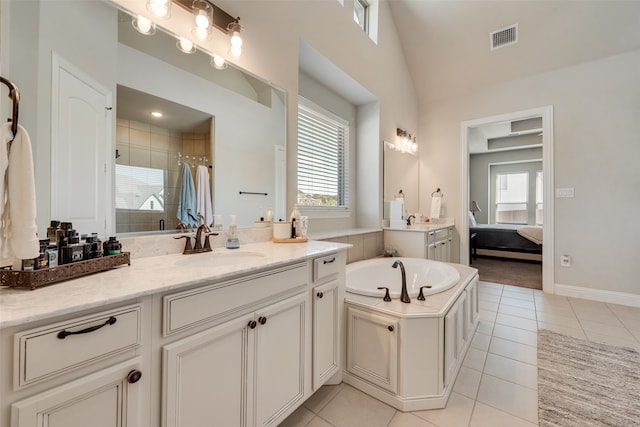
[(144, 25), (186, 45), (201, 33), (236, 51), (236, 39), (218, 62), (160, 8), (202, 20)]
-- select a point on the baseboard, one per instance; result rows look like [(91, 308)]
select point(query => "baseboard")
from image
[(600, 295), (510, 254)]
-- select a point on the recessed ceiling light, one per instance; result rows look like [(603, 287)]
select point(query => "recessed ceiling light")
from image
[(156, 114)]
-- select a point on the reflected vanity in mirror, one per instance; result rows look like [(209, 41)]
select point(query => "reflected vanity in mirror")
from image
[(400, 173), (96, 43)]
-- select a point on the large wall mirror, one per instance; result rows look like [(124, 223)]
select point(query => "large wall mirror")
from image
[(400, 173), (230, 121)]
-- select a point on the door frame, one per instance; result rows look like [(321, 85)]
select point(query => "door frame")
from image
[(546, 113)]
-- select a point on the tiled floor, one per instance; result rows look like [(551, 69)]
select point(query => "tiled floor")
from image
[(497, 384)]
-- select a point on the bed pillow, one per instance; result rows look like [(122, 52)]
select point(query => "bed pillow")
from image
[(472, 220)]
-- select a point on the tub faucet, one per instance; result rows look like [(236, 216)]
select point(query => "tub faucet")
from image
[(404, 295)]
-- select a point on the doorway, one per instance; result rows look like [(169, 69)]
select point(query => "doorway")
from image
[(469, 140)]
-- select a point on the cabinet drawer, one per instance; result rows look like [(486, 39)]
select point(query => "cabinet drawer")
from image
[(48, 351), (438, 235), (222, 300), (326, 267)]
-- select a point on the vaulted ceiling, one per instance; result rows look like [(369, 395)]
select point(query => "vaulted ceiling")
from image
[(446, 42)]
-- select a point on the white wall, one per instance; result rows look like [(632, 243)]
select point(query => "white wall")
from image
[(596, 151)]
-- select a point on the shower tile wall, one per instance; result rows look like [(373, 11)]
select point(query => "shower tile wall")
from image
[(145, 145)]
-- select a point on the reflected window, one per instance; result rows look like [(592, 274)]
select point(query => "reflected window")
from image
[(511, 198), (539, 199), (140, 188)]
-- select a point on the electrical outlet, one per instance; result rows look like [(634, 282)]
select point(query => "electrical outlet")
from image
[(565, 261), (564, 193)]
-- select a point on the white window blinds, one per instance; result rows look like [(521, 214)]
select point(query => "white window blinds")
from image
[(322, 158)]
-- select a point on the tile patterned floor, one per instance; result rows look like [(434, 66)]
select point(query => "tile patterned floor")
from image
[(497, 383)]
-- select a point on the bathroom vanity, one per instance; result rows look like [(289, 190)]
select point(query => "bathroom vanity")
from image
[(430, 241), (236, 338)]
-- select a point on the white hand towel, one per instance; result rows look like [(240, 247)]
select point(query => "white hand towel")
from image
[(20, 223), (203, 196), (436, 204)]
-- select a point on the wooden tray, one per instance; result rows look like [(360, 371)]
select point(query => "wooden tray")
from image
[(274, 240), (47, 276)]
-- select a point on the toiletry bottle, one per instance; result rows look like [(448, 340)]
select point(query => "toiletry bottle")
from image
[(293, 228), (295, 222), (51, 230), (112, 246), (232, 240)]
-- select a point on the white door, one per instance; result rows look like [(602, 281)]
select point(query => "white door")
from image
[(106, 398), (326, 332), (279, 359), (81, 129)]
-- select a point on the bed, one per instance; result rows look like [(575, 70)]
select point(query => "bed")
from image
[(508, 241)]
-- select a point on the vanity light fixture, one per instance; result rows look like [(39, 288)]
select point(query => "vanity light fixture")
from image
[(203, 17), (405, 143), (185, 45), (143, 25), (234, 29), (218, 62), (160, 8)]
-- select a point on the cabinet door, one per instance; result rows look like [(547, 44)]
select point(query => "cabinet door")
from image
[(103, 399), (279, 359), (204, 377), (372, 349), (450, 343), (326, 333), (472, 296)]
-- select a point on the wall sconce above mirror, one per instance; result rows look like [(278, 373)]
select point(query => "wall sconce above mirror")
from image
[(404, 143)]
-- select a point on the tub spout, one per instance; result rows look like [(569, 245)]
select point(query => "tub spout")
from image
[(404, 295)]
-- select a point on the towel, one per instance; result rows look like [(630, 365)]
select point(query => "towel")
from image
[(436, 204), (18, 230), (187, 209), (203, 196), (532, 233)]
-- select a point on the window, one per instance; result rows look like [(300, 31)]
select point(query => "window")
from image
[(361, 14), (322, 158), (139, 188), (539, 210), (511, 198)]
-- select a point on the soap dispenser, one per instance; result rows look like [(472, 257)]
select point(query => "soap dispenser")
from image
[(232, 239)]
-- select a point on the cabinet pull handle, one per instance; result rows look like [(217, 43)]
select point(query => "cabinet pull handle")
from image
[(391, 328), (134, 376), (262, 320), (329, 261), (110, 321), (320, 294), (252, 324)]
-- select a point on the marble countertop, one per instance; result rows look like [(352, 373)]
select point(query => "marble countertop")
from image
[(148, 276), (425, 226)]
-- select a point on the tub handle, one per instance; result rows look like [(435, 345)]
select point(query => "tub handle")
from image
[(387, 297), (391, 328), (421, 295)]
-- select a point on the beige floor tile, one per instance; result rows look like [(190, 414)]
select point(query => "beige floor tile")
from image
[(299, 418), (517, 311), (563, 309), (516, 334), (319, 422), (586, 306), (518, 295), (407, 419), (509, 397), (529, 305), (518, 289), (635, 333), (602, 329), (512, 370), (475, 359), (487, 416), (625, 310), (550, 299), (485, 327), (487, 305), (351, 408), (457, 413), (487, 316), (559, 319), (483, 290), (467, 382), (513, 350), (481, 341), (631, 322), (320, 398), (490, 285), (517, 322), (601, 317), (483, 298), (561, 329)]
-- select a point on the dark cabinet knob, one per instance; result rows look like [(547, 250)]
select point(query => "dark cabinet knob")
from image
[(262, 320), (391, 328), (320, 294), (252, 324), (134, 376)]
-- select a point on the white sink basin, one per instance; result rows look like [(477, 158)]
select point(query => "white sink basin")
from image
[(216, 259)]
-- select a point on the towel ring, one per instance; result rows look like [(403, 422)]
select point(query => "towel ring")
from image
[(437, 193)]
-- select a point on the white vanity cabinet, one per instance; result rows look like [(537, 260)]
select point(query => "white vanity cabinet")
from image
[(433, 243), (78, 369)]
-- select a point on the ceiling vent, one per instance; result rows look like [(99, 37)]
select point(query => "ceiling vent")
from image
[(504, 37)]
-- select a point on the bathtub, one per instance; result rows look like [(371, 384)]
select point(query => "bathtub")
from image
[(364, 277)]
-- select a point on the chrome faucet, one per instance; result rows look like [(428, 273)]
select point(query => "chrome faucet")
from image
[(404, 295)]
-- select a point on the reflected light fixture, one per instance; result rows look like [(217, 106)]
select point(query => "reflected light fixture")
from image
[(156, 114), (218, 62), (235, 37), (185, 45), (203, 17), (160, 8), (143, 25)]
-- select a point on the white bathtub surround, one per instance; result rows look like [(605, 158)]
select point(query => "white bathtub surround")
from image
[(365, 242), (408, 355)]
